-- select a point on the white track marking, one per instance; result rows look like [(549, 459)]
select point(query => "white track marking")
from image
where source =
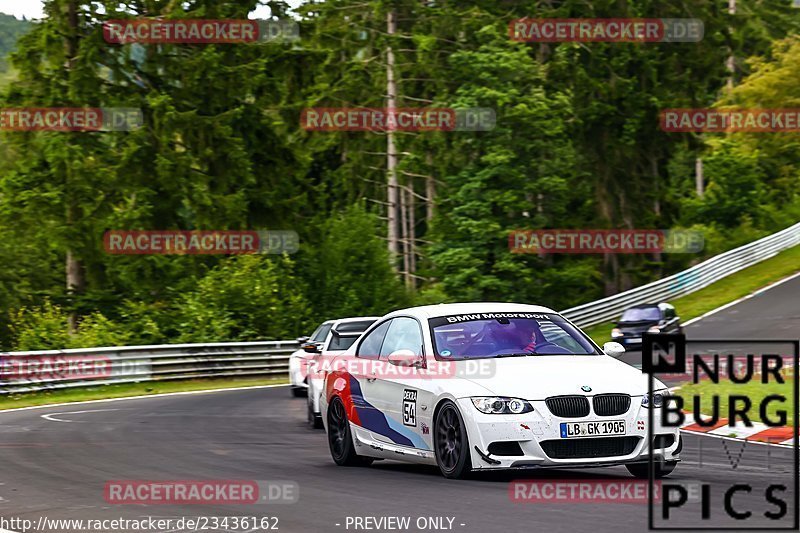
[(740, 300), (740, 431), (186, 393), (52, 416)]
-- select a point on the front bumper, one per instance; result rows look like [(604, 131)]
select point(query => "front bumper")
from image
[(533, 440), (630, 342)]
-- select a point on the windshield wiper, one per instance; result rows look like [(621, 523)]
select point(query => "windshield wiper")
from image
[(515, 354)]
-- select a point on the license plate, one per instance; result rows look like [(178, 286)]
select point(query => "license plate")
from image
[(633, 339), (592, 429)]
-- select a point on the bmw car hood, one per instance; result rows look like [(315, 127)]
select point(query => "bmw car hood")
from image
[(539, 377)]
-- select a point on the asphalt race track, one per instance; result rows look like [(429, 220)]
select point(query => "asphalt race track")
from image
[(56, 461), (771, 314)]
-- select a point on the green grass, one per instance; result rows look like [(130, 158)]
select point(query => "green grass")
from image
[(726, 290), (754, 390), (103, 392)]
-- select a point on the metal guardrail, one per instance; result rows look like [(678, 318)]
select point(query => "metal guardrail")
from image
[(690, 280), (63, 369)]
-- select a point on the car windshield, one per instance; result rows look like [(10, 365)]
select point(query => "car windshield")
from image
[(482, 335), (340, 343), (345, 334), (321, 332), (358, 327), (641, 314)]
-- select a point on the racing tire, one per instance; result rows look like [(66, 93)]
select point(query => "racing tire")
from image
[(450, 442), (314, 420), (340, 439), (660, 469), (298, 392)]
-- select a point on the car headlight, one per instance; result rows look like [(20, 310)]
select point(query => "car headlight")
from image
[(654, 329), (616, 333), (492, 405), (658, 398)]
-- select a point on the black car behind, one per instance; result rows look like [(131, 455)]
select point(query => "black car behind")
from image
[(639, 319)]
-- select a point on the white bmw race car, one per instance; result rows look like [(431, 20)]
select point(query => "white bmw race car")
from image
[(485, 386)]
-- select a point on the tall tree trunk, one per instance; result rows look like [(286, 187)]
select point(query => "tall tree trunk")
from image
[(606, 213), (698, 176), (430, 190), (656, 183), (74, 269), (71, 43), (73, 265), (405, 236), (730, 64), (611, 274), (412, 238), (391, 149), (657, 206)]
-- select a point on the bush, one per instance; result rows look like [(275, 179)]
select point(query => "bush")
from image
[(245, 298), (735, 189), (47, 328), (351, 269)]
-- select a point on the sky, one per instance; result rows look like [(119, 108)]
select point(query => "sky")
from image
[(18, 8), (33, 8)]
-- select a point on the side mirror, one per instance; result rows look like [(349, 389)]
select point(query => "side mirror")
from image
[(406, 358), (613, 349), (311, 347)]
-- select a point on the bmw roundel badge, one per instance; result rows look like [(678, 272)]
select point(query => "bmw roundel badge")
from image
[(586, 388)]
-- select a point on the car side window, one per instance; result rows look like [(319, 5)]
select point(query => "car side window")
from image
[(403, 334), (321, 333), (370, 347), (561, 338)]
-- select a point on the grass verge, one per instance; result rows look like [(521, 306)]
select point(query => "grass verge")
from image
[(103, 392), (723, 291), (755, 391)]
